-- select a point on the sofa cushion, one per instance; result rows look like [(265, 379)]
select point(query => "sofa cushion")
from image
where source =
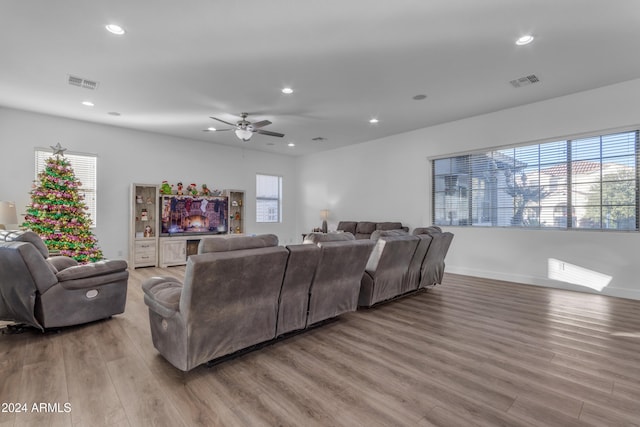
[(327, 237), (365, 227), (388, 226), (236, 243), (348, 226), (60, 263)]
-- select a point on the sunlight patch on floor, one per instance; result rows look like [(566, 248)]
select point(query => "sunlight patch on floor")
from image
[(576, 275)]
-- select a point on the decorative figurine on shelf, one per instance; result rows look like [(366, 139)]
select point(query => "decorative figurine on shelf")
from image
[(234, 203), (205, 190), (148, 231), (238, 230), (237, 216), (139, 198), (165, 188), (180, 193), (144, 215), (192, 189)]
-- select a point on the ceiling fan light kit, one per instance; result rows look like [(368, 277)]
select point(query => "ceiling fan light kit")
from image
[(244, 134), (244, 129)]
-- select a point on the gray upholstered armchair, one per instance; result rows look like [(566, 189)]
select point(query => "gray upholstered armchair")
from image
[(54, 292)]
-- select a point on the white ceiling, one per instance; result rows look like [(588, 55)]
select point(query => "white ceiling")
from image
[(347, 60)]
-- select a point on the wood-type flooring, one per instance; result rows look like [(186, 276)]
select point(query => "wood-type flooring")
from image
[(469, 352)]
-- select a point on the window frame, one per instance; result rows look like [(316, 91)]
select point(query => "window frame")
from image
[(618, 162), (89, 188), (262, 199)]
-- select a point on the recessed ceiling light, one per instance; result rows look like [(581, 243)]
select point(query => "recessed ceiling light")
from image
[(291, 144), (420, 97), (526, 39), (287, 90), (212, 129), (115, 29), (88, 103), (374, 121), (114, 113)]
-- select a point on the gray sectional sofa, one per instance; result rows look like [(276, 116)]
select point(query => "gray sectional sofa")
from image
[(240, 291), (364, 229)]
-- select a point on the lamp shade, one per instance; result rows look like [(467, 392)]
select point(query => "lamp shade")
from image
[(324, 214), (8, 214)]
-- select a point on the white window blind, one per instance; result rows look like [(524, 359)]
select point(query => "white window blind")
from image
[(85, 169), (585, 183), (268, 198)]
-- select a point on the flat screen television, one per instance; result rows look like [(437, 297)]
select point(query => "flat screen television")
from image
[(194, 215)]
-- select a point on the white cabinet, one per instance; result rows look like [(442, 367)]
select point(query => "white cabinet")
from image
[(173, 251), (143, 233)]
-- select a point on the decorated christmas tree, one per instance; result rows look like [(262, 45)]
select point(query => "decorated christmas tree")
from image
[(57, 212)]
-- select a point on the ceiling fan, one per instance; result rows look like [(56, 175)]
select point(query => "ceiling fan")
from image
[(244, 129)]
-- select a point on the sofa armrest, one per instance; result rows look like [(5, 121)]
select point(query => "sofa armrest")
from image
[(84, 271), (162, 295)]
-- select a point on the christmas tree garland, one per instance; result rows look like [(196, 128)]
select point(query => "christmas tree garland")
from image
[(57, 213)]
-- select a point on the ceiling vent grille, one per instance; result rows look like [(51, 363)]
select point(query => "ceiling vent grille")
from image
[(525, 81), (83, 83)]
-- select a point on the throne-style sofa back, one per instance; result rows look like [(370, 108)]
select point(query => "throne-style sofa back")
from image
[(228, 302), (294, 295), (387, 268), (433, 265), (55, 292), (336, 282)]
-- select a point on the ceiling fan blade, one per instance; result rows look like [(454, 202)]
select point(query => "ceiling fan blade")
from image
[(266, 132), (260, 124), (217, 130), (220, 120)]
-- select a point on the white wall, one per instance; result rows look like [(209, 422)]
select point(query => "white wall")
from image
[(126, 156), (388, 179)]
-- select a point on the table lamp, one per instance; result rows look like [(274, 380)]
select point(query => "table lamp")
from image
[(324, 214), (8, 215)]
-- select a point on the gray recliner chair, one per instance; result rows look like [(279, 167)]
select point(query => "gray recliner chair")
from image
[(51, 292)]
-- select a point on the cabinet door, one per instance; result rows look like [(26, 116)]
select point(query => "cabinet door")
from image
[(173, 252)]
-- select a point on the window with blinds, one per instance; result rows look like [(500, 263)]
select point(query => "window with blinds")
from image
[(586, 183), (268, 198), (85, 169)]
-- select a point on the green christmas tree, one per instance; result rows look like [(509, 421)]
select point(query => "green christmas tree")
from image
[(57, 212)]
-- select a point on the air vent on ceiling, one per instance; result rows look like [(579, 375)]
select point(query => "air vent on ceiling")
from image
[(525, 81), (84, 83)]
